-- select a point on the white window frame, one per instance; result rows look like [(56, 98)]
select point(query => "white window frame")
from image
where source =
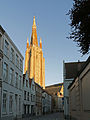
[(5, 72), (11, 76), (4, 103), (12, 55), (20, 81), (17, 60), (6, 48), (16, 79), (20, 64)]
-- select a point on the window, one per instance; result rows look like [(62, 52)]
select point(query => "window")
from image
[(11, 76), (26, 83), (20, 64), (24, 109), (24, 95), (10, 103), (23, 83), (17, 60), (31, 97), (4, 102), (6, 48), (12, 55), (28, 96), (32, 87), (20, 81), (5, 72), (19, 103), (16, 97), (16, 79), (28, 109)]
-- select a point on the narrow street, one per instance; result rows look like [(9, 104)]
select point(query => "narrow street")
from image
[(52, 116)]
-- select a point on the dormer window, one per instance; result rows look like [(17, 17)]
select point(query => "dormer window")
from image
[(26, 83)]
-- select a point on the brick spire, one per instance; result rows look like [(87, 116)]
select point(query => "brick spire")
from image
[(34, 40)]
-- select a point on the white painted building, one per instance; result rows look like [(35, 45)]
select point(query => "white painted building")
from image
[(38, 101), (79, 94), (33, 96), (60, 103), (46, 102), (11, 76), (70, 71), (26, 96)]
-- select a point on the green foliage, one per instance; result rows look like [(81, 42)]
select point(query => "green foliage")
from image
[(80, 24)]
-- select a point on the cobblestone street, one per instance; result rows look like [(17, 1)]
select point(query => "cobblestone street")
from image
[(52, 116)]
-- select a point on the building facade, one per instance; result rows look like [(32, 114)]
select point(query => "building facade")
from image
[(1, 64), (79, 94), (38, 106), (70, 71), (46, 102), (56, 91), (33, 96), (34, 60), (11, 77), (26, 96)]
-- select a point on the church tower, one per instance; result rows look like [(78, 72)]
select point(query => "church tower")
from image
[(34, 60)]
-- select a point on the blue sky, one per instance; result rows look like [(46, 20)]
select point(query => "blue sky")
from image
[(16, 17)]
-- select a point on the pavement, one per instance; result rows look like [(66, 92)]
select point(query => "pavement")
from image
[(52, 116)]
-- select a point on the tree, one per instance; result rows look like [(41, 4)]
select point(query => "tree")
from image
[(80, 24)]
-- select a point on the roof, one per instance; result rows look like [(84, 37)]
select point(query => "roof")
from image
[(54, 85), (54, 89), (2, 29), (38, 85), (30, 80), (46, 92), (83, 67), (72, 69), (11, 41)]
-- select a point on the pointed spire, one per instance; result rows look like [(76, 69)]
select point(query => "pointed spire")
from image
[(40, 43), (27, 43), (40, 40), (27, 40), (34, 23), (34, 40)]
